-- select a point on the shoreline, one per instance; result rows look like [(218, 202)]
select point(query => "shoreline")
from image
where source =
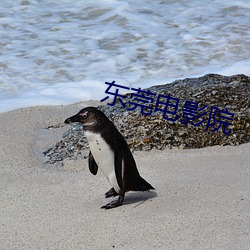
[(201, 198)]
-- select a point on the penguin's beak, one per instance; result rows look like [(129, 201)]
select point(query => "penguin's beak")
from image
[(74, 118)]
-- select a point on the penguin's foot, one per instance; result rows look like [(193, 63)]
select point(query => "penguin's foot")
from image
[(111, 193), (113, 204)]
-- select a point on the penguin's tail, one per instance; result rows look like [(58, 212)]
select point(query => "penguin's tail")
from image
[(141, 185)]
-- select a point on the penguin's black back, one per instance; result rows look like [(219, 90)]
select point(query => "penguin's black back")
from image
[(131, 178)]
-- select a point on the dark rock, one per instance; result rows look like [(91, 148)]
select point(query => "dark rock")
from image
[(145, 132)]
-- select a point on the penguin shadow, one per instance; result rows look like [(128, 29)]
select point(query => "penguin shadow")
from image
[(137, 198)]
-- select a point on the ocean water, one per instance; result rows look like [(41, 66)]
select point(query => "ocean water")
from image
[(61, 52)]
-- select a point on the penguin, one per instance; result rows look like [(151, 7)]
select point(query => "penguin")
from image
[(110, 152)]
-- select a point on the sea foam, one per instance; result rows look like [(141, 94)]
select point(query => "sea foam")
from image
[(62, 52)]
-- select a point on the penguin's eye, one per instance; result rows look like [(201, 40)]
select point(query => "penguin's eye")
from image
[(84, 115)]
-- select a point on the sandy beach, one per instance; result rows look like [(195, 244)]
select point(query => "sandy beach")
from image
[(201, 198)]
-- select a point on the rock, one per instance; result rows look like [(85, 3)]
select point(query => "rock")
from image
[(153, 131)]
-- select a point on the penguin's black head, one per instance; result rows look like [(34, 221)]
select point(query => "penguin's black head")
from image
[(88, 117)]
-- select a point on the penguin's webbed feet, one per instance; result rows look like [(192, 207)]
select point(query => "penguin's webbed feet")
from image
[(113, 204), (111, 193)]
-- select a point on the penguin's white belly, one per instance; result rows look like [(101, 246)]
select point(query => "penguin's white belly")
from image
[(104, 157)]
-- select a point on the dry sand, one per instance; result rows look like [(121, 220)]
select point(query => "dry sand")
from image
[(201, 201)]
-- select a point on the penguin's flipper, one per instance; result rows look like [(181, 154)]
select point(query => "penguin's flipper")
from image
[(111, 193), (118, 166), (93, 167)]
